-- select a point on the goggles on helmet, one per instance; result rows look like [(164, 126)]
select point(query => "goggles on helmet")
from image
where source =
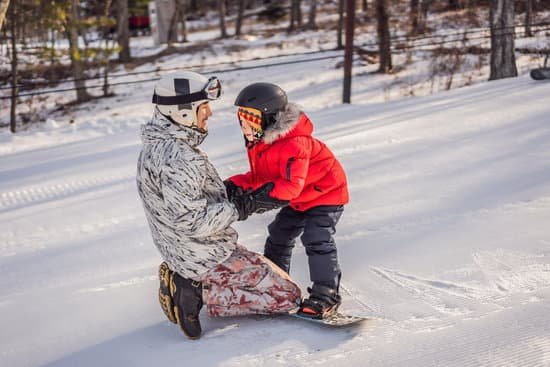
[(211, 91), (253, 118), (213, 88)]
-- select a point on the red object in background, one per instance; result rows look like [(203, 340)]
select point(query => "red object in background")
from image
[(138, 22)]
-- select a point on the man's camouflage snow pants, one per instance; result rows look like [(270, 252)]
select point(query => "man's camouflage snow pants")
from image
[(248, 283)]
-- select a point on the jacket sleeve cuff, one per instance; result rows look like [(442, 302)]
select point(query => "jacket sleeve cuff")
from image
[(241, 180)]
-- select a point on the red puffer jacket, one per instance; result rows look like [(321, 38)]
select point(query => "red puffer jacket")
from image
[(302, 168)]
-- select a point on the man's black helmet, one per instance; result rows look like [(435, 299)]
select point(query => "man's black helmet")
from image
[(266, 97)]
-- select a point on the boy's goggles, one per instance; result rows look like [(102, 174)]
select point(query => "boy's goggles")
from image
[(251, 117), (211, 91)]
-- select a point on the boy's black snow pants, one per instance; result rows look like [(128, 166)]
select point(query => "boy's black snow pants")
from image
[(317, 226)]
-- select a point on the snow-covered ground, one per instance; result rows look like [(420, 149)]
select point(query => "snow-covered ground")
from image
[(444, 240)]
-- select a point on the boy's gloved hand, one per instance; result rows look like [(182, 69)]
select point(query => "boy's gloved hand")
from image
[(263, 202), (257, 201)]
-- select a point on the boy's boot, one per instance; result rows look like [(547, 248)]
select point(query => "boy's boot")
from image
[(187, 303), (322, 303), (165, 298)]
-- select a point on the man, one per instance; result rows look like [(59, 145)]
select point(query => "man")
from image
[(190, 215)]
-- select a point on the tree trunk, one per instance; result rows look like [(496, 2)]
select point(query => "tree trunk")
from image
[(348, 54), (340, 44), (293, 20), (4, 4), (383, 30), (173, 26), (52, 53), (106, 69), (503, 59), (415, 12), (312, 15), (13, 30), (454, 4), (106, 33), (123, 32), (178, 16), (298, 11), (180, 4), (78, 73), (528, 17), (425, 8), (470, 5), (240, 14), (221, 11)]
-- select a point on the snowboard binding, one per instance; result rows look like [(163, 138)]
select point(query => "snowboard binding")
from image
[(322, 303)]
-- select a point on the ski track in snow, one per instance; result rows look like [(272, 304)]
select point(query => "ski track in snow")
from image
[(506, 273), (499, 347), (38, 194), (124, 283), (18, 242)]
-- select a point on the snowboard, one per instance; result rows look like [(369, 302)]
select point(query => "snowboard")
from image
[(336, 320), (540, 73)]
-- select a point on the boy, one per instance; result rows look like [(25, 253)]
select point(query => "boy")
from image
[(304, 172)]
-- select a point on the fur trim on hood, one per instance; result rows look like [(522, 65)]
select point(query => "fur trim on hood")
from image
[(285, 121)]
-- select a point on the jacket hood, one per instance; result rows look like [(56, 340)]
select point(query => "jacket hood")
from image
[(161, 128), (291, 120)]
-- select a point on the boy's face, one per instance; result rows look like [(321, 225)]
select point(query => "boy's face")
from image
[(203, 113), (247, 132)]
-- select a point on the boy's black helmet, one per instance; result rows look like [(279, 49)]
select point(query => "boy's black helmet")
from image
[(266, 97)]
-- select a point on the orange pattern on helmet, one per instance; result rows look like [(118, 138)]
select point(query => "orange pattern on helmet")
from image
[(253, 118)]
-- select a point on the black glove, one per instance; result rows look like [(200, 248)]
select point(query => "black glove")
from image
[(257, 201), (232, 189), (262, 202), (243, 201)]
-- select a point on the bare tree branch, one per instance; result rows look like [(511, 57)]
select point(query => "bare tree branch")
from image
[(4, 4)]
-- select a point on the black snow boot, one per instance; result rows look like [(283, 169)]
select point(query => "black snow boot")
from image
[(165, 297), (323, 302), (187, 303)]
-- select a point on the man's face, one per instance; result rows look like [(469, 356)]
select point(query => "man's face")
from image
[(203, 113)]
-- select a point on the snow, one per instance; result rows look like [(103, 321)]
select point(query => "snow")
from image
[(445, 243)]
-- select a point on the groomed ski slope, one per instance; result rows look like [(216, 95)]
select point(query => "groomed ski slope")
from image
[(446, 240)]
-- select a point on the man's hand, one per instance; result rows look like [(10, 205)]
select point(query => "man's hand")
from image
[(243, 201), (232, 189)]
